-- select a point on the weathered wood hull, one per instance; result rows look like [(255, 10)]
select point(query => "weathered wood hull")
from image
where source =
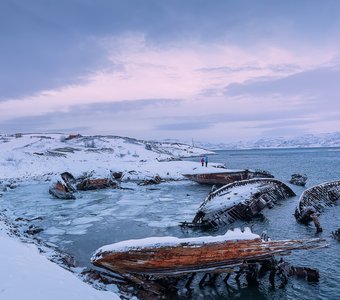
[(59, 191), (96, 184), (221, 206), (190, 257), (315, 199), (227, 177), (62, 186)]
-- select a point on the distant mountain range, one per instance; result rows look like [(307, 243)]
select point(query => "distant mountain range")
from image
[(303, 141)]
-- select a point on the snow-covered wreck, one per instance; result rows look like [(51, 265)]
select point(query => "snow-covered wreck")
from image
[(64, 185), (173, 256), (315, 199), (239, 200), (145, 260)]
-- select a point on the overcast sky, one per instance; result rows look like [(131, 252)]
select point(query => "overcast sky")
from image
[(218, 71)]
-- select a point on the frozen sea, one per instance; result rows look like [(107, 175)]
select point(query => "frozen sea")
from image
[(96, 218)]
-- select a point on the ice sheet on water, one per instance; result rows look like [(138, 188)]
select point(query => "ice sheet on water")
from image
[(93, 208), (65, 223), (78, 230), (107, 212), (53, 240), (132, 212), (54, 231), (166, 199), (85, 220), (133, 202), (163, 223)]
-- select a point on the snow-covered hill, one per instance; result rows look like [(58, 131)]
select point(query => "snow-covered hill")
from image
[(37, 155), (303, 141)]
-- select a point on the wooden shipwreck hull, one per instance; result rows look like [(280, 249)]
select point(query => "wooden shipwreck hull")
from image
[(96, 184), (60, 190), (168, 256), (229, 176), (239, 200), (315, 199), (62, 186)]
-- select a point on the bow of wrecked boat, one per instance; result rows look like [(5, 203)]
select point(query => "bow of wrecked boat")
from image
[(164, 259), (314, 200), (240, 200), (225, 176)]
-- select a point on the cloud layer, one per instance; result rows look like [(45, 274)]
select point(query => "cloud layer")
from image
[(179, 69)]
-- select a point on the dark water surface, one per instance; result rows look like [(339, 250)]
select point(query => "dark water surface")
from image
[(97, 218)]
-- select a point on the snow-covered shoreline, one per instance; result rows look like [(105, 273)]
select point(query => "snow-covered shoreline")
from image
[(39, 157), (26, 274)]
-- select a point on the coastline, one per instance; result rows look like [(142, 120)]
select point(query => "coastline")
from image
[(26, 274), (26, 262)]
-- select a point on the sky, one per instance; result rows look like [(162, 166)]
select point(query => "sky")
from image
[(214, 71)]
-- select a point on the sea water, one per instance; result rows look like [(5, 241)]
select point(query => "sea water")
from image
[(97, 218)]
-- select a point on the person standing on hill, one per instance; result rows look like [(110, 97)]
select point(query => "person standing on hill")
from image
[(202, 161), (206, 160)]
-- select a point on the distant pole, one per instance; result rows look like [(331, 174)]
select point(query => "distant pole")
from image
[(193, 142)]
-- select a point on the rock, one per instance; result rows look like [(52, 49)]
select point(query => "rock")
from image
[(12, 186), (28, 220), (156, 180), (336, 234), (298, 179), (33, 230), (117, 175), (38, 153)]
